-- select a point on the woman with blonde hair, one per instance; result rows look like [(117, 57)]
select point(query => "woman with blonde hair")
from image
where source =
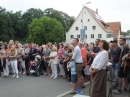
[(13, 61), (54, 62)]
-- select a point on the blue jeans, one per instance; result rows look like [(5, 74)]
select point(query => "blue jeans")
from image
[(116, 68)]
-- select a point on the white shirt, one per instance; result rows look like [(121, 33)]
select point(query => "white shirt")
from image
[(77, 55), (101, 60), (55, 60)]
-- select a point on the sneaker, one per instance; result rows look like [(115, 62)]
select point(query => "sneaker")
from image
[(24, 72), (17, 76), (55, 78), (126, 89), (117, 91), (20, 72), (52, 76), (13, 75), (79, 91), (4, 77), (45, 73)]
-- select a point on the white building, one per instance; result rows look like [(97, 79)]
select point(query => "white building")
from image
[(94, 27)]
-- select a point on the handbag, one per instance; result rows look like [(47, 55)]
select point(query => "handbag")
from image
[(61, 61), (24, 57)]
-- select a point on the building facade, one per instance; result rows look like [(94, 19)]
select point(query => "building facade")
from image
[(93, 27)]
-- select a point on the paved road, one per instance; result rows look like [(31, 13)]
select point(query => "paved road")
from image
[(31, 86), (42, 86)]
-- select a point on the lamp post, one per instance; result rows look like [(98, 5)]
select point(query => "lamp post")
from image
[(82, 16), (12, 35)]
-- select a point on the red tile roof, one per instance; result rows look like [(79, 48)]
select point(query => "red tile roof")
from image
[(115, 27), (99, 21)]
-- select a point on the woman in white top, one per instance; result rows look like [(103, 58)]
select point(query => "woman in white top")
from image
[(98, 71), (54, 61)]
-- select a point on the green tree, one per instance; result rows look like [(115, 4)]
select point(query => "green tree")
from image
[(64, 18), (4, 34), (32, 13), (16, 23), (126, 33), (45, 30)]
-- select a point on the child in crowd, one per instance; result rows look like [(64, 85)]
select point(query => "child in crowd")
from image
[(36, 61), (71, 66)]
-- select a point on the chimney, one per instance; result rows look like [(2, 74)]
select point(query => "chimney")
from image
[(96, 11)]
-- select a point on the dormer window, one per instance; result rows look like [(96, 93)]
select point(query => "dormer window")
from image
[(106, 26)]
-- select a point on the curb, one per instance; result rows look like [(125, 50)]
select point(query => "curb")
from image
[(61, 95)]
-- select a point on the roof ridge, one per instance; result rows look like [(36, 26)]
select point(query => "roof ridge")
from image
[(98, 20), (113, 22)]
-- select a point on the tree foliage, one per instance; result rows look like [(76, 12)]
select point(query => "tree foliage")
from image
[(64, 18), (45, 30), (126, 33), (15, 24)]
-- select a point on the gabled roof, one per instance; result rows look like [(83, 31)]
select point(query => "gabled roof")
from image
[(99, 20), (115, 27)]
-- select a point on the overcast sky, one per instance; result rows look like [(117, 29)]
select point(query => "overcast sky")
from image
[(109, 10)]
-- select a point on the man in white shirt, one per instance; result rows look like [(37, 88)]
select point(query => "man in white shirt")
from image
[(77, 57)]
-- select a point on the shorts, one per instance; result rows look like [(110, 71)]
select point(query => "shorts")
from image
[(46, 63), (73, 78), (22, 63), (86, 70), (79, 68), (121, 73)]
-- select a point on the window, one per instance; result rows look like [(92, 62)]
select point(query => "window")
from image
[(109, 35), (85, 27), (78, 36), (106, 26), (71, 36), (88, 20), (94, 27), (92, 35), (85, 36), (76, 28), (81, 20), (99, 35)]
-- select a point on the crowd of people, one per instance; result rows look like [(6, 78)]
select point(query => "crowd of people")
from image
[(76, 62)]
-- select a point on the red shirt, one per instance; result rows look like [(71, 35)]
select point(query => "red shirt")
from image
[(84, 56)]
